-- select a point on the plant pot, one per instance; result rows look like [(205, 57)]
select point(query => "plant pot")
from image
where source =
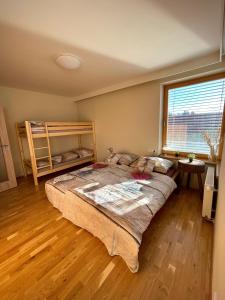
[(190, 160)]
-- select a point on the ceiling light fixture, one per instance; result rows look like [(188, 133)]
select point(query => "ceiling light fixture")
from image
[(68, 61)]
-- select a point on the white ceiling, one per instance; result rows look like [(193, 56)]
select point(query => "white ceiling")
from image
[(117, 40)]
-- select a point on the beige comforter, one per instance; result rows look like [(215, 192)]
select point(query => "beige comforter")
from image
[(111, 205)]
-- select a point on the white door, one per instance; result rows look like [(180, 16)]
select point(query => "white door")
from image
[(7, 172)]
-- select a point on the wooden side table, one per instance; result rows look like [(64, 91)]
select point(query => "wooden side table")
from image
[(194, 167)]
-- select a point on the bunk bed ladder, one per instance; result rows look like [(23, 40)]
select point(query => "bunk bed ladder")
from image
[(49, 146), (32, 149)]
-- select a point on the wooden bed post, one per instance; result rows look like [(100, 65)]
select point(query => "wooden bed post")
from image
[(31, 150), (49, 146), (94, 141), (21, 149)]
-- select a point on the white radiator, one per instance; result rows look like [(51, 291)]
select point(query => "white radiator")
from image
[(209, 188)]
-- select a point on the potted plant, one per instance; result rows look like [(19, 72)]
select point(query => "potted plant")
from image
[(177, 153), (213, 145), (191, 157)]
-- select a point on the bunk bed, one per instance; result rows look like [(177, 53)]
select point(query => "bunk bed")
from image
[(41, 130)]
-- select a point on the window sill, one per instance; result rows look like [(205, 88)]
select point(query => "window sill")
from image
[(176, 158), (184, 154)]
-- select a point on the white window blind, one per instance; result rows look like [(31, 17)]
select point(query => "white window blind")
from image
[(192, 110)]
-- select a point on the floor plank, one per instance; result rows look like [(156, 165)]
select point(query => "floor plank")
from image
[(44, 256)]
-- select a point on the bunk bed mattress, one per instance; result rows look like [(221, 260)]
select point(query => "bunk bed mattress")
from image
[(38, 130), (38, 127), (111, 205)]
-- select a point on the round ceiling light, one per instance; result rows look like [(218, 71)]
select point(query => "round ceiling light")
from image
[(68, 61)]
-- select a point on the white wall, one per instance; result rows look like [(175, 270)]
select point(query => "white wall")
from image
[(126, 119), (218, 283), (20, 105)]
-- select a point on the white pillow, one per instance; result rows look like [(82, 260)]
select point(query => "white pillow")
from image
[(143, 164), (162, 165), (42, 163), (127, 158), (122, 158), (68, 156), (84, 152), (56, 159), (113, 158)]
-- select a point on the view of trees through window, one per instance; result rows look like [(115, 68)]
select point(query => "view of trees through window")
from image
[(192, 110)]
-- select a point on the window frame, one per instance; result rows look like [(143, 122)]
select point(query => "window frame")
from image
[(166, 89)]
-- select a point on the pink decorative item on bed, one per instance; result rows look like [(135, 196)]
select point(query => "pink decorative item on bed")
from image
[(99, 165), (140, 175)]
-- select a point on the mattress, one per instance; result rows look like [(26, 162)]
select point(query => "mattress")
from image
[(38, 127), (65, 158), (111, 205)]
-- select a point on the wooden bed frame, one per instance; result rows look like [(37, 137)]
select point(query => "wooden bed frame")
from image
[(45, 132)]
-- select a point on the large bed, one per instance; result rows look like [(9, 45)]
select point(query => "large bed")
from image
[(111, 205)]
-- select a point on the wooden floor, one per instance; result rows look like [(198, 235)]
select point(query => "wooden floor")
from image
[(43, 256)]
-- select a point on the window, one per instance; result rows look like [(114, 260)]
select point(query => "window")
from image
[(191, 108)]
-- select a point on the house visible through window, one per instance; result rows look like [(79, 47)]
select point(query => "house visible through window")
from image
[(190, 110)]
